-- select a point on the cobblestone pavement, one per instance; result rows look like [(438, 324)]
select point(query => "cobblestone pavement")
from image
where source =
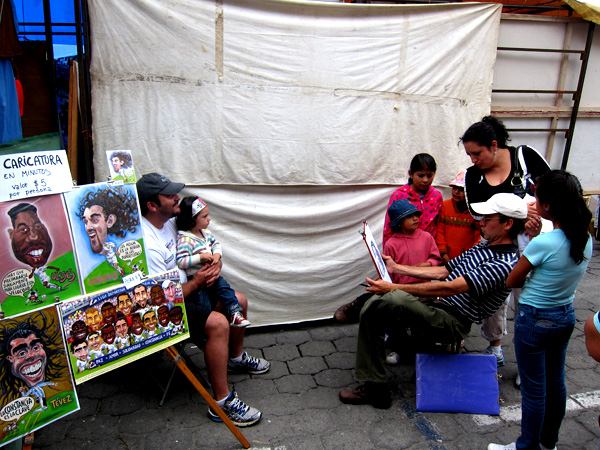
[(299, 399)]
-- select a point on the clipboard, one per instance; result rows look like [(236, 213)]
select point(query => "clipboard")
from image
[(374, 252)]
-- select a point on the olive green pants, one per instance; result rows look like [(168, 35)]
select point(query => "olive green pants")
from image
[(398, 310)]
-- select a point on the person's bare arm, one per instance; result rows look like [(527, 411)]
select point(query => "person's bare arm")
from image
[(422, 272), (533, 226), (592, 338), (437, 289), (516, 278), (203, 277)]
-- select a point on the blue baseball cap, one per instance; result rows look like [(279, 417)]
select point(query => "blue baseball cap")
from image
[(400, 209)]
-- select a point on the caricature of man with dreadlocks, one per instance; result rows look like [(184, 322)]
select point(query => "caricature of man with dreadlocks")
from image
[(123, 166), (28, 357), (111, 210)]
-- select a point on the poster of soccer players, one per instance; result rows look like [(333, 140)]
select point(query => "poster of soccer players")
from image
[(105, 220), (37, 263), (110, 329), (35, 380)]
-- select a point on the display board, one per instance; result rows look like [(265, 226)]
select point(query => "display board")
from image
[(107, 232), (37, 261), (374, 252), (110, 329), (37, 387), (75, 298)]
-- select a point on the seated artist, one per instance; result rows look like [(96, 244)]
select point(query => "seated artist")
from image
[(473, 288), (223, 349)]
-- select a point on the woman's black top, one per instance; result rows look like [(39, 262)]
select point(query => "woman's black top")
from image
[(477, 188)]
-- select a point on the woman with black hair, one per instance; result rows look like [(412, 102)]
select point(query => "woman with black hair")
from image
[(498, 167), (549, 271)]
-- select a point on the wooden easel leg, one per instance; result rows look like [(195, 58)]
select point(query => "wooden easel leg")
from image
[(27, 441), (181, 365)]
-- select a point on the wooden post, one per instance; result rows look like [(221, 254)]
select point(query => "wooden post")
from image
[(73, 119)]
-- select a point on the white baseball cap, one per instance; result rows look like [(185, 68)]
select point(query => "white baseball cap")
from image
[(509, 205)]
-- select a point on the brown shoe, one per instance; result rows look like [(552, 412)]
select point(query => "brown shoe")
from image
[(350, 312), (376, 394)]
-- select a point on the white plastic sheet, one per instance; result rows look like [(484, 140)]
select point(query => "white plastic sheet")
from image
[(296, 252), (264, 99)]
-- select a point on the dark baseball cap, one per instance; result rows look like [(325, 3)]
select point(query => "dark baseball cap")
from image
[(154, 183)]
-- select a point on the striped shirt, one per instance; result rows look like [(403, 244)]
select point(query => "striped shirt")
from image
[(485, 270), (190, 245)]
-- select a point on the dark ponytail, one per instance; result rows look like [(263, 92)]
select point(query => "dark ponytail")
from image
[(483, 133), (562, 192)]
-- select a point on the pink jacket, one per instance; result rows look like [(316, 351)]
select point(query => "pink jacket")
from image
[(412, 250), (430, 205)]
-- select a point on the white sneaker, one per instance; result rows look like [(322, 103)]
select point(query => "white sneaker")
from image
[(392, 359), (248, 364), (240, 413), (511, 446), (499, 356)]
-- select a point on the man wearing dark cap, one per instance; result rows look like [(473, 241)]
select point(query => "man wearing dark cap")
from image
[(159, 203)]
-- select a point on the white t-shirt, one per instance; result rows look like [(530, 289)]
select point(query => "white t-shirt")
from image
[(161, 247)]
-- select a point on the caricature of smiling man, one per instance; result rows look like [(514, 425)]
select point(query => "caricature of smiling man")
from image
[(31, 242)]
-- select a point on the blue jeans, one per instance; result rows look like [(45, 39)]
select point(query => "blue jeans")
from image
[(200, 303), (541, 339)]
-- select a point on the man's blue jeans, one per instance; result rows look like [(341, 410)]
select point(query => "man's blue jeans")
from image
[(541, 339)]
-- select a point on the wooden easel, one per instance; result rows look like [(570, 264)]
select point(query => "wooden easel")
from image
[(182, 366)]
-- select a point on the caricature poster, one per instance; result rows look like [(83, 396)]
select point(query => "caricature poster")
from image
[(37, 263), (120, 165), (107, 232), (110, 329), (35, 381)]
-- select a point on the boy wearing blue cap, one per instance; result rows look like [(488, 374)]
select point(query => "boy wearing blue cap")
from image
[(409, 244)]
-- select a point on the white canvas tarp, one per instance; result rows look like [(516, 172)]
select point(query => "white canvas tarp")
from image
[(293, 120)]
